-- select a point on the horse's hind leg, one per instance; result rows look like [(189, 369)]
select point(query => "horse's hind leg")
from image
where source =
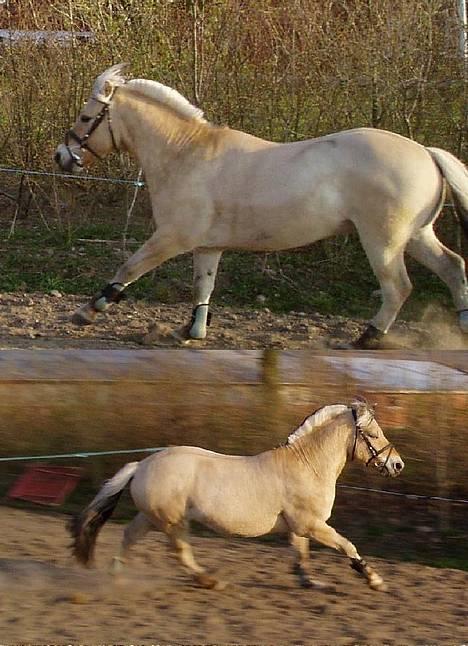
[(205, 266), (326, 535), (301, 546), (389, 267), (134, 531), (181, 547), (450, 267)]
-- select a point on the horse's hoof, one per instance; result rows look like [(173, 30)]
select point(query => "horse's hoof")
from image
[(370, 339), (312, 584), (209, 582), (81, 319), (378, 584)]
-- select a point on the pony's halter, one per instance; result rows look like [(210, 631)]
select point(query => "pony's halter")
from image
[(83, 141), (374, 453)]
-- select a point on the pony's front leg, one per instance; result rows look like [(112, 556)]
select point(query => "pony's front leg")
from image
[(326, 535), (205, 266), (150, 255)]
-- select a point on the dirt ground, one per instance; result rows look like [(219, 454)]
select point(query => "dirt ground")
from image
[(43, 321), (48, 600)]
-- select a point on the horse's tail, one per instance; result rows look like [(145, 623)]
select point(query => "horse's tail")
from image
[(456, 176), (84, 527)]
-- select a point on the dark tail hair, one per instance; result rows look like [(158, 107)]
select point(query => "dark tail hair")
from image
[(84, 527)]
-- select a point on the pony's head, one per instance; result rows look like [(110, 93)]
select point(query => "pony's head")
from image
[(369, 443), (92, 135)]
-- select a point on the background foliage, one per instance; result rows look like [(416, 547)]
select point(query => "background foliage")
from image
[(281, 70)]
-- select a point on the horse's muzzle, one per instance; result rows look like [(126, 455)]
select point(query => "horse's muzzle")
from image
[(67, 160)]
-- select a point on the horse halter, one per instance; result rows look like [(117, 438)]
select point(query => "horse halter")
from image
[(83, 141), (374, 453)]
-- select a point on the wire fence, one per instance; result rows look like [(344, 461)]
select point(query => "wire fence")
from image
[(157, 449)]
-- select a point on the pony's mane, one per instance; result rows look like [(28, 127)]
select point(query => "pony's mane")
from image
[(151, 89), (167, 96), (318, 418)]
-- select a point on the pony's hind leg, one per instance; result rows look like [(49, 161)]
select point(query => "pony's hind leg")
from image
[(326, 535), (301, 546), (449, 266), (205, 266), (134, 531), (181, 547)]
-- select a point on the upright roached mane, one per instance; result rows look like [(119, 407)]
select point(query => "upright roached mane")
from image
[(364, 411), (317, 419), (151, 89)]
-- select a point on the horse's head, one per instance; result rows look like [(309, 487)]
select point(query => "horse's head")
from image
[(370, 444), (92, 134)]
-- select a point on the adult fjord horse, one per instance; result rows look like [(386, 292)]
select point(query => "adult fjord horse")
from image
[(214, 188), (290, 489)]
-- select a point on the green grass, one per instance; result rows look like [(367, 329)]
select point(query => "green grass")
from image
[(331, 277)]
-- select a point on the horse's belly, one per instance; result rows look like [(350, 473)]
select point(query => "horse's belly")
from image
[(240, 524), (273, 230)]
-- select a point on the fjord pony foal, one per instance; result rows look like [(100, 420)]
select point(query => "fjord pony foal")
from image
[(290, 489), (215, 188)]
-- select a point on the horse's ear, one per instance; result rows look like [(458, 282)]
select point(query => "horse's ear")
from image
[(360, 405), (113, 77)]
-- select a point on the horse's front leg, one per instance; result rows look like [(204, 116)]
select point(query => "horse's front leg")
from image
[(205, 266), (150, 255), (326, 535)]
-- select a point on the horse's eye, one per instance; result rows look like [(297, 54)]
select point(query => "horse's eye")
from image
[(85, 118)]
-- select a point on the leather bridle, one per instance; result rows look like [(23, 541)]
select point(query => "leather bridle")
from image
[(374, 453), (83, 142)]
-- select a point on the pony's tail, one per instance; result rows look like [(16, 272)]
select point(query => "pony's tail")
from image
[(456, 176), (84, 527)]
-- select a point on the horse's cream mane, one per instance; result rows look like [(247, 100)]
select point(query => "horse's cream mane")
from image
[(152, 89), (315, 420), (167, 96)]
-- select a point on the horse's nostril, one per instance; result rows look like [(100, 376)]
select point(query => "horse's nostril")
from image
[(57, 158), (398, 466)]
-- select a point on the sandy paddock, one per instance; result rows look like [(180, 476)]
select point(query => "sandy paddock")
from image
[(47, 599)]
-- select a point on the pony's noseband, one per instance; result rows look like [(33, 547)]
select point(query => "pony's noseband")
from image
[(374, 453), (83, 141)]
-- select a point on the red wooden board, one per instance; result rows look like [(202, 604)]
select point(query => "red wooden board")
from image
[(45, 485)]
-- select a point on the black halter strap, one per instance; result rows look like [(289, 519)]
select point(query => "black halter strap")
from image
[(83, 141), (374, 453)]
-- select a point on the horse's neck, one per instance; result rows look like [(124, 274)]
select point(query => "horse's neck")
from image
[(324, 451), (152, 133)]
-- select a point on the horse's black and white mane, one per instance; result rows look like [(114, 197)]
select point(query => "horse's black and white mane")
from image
[(152, 89), (327, 413)]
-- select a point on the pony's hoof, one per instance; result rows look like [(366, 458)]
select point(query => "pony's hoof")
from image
[(378, 584), (81, 318), (116, 567), (209, 582), (312, 584)]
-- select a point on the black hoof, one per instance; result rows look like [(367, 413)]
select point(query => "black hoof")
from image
[(370, 339), (80, 320)]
